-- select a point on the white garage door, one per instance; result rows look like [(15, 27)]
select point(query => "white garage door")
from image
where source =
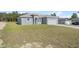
[(51, 21)]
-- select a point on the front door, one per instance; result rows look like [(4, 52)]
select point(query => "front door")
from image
[(44, 20)]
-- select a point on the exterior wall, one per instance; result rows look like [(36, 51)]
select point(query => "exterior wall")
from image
[(27, 21), (38, 20), (52, 21)]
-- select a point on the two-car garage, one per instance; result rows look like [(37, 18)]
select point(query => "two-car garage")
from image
[(52, 21)]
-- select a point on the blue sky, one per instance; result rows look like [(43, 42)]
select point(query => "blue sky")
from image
[(58, 13), (64, 14), (40, 12)]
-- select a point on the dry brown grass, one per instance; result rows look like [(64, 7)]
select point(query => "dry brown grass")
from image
[(52, 36)]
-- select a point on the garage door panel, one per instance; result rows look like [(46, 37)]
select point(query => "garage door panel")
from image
[(52, 21)]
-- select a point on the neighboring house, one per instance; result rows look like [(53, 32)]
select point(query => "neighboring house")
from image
[(75, 21), (37, 19), (64, 21)]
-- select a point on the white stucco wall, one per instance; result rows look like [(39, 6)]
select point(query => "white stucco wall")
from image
[(25, 21), (52, 21)]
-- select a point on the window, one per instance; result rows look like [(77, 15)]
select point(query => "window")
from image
[(28, 19)]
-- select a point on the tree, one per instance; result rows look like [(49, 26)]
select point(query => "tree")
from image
[(10, 17), (74, 15), (54, 14)]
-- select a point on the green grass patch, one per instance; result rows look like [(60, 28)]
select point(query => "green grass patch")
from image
[(12, 27)]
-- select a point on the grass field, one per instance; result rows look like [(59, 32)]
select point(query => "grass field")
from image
[(17, 35)]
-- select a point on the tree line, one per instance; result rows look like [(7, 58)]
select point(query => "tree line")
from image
[(9, 17)]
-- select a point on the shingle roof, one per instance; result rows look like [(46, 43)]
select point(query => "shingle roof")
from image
[(38, 15), (26, 15)]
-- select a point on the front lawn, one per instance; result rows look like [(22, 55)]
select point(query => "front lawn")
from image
[(17, 35)]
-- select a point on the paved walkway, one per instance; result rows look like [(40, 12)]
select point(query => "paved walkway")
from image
[(2, 25)]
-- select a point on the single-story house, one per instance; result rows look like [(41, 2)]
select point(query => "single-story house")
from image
[(37, 19), (74, 21)]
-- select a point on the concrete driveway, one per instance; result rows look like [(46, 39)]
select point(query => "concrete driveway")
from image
[(2, 25), (70, 26)]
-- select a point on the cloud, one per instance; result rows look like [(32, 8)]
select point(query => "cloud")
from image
[(62, 14), (39, 5)]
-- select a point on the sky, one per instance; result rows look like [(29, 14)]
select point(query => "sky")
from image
[(23, 5), (62, 8), (63, 14)]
